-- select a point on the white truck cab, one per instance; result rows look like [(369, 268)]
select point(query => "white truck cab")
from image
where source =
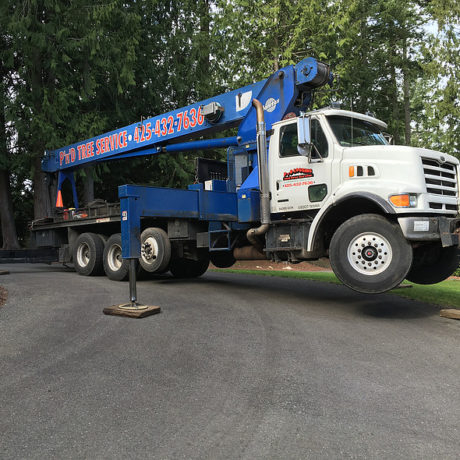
[(378, 210)]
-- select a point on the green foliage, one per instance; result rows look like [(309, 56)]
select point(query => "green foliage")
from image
[(437, 119), (75, 60)]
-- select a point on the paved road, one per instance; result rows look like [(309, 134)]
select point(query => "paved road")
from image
[(236, 366)]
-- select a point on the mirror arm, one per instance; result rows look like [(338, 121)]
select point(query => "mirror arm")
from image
[(310, 160)]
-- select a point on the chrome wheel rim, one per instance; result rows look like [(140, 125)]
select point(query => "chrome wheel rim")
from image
[(83, 254), (114, 258), (369, 253), (149, 250)]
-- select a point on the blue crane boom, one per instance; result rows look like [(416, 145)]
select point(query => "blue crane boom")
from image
[(154, 135), (147, 136), (287, 90)]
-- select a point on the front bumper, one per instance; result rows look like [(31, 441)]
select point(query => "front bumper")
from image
[(446, 229)]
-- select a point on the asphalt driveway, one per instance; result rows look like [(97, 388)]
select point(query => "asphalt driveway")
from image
[(236, 366)]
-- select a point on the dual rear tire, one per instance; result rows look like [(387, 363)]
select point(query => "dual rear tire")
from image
[(88, 254), (115, 267), (155, 250), (92, 256), (156, 256)]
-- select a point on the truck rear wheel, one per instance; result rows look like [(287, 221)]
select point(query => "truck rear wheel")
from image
[(433, 264), (87, 254), (155, 250), (115, 267), (370, 254), (188, 268)]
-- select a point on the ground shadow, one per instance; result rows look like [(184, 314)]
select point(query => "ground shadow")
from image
[(294, 290), (387, 306)]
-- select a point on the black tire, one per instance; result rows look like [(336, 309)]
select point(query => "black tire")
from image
[(115, 267), (385, 263), (433, 264), (88, 254), (188, 268), (104, 238), (222, 259), (155, 250)]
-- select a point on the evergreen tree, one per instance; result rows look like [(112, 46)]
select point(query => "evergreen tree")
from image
[(437, 119), (8, 227), (75, 64)]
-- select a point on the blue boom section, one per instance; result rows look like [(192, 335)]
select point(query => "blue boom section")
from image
[(152, 133), (288, 90)]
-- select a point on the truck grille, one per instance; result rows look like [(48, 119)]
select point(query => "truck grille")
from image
[(440, 179)]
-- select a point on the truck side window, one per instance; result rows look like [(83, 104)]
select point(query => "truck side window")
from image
[(288, 141), (319, 140)]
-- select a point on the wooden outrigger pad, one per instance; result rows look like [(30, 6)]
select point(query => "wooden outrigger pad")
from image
[(451, 313), (132, 311)]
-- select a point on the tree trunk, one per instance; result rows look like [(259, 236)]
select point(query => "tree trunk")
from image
[(406, 92), (395, 104), (10, 238), (276, 62), (204, 61), (88, 191), (42, 200)]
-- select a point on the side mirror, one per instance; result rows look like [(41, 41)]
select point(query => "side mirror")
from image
[(304, 136)]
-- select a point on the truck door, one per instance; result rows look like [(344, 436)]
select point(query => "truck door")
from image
[(297, 184)]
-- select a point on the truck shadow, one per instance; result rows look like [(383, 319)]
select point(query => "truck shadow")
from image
[(310, 294), (294, 293), (24, 269)]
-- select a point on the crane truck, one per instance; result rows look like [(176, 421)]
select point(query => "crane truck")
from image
[(297, 185)]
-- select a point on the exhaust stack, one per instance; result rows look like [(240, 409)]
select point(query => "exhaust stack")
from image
[(253, 233)]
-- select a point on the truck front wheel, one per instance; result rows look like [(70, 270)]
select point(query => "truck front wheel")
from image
[(433, 264), (370, 254), (87, 254)]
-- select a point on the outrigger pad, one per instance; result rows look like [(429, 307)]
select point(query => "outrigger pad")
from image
[(4, 272), (127, 309), (451, 313)]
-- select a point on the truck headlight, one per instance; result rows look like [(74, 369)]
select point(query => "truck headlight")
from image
[(403, 201)]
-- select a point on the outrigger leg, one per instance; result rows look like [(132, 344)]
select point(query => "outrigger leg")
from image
[(130, 225)]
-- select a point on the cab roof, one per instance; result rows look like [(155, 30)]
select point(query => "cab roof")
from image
[(328, 111)]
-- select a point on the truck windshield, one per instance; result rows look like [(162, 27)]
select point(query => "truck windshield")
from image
[(351, 131)]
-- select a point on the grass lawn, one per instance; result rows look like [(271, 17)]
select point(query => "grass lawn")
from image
[(445, 294)]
